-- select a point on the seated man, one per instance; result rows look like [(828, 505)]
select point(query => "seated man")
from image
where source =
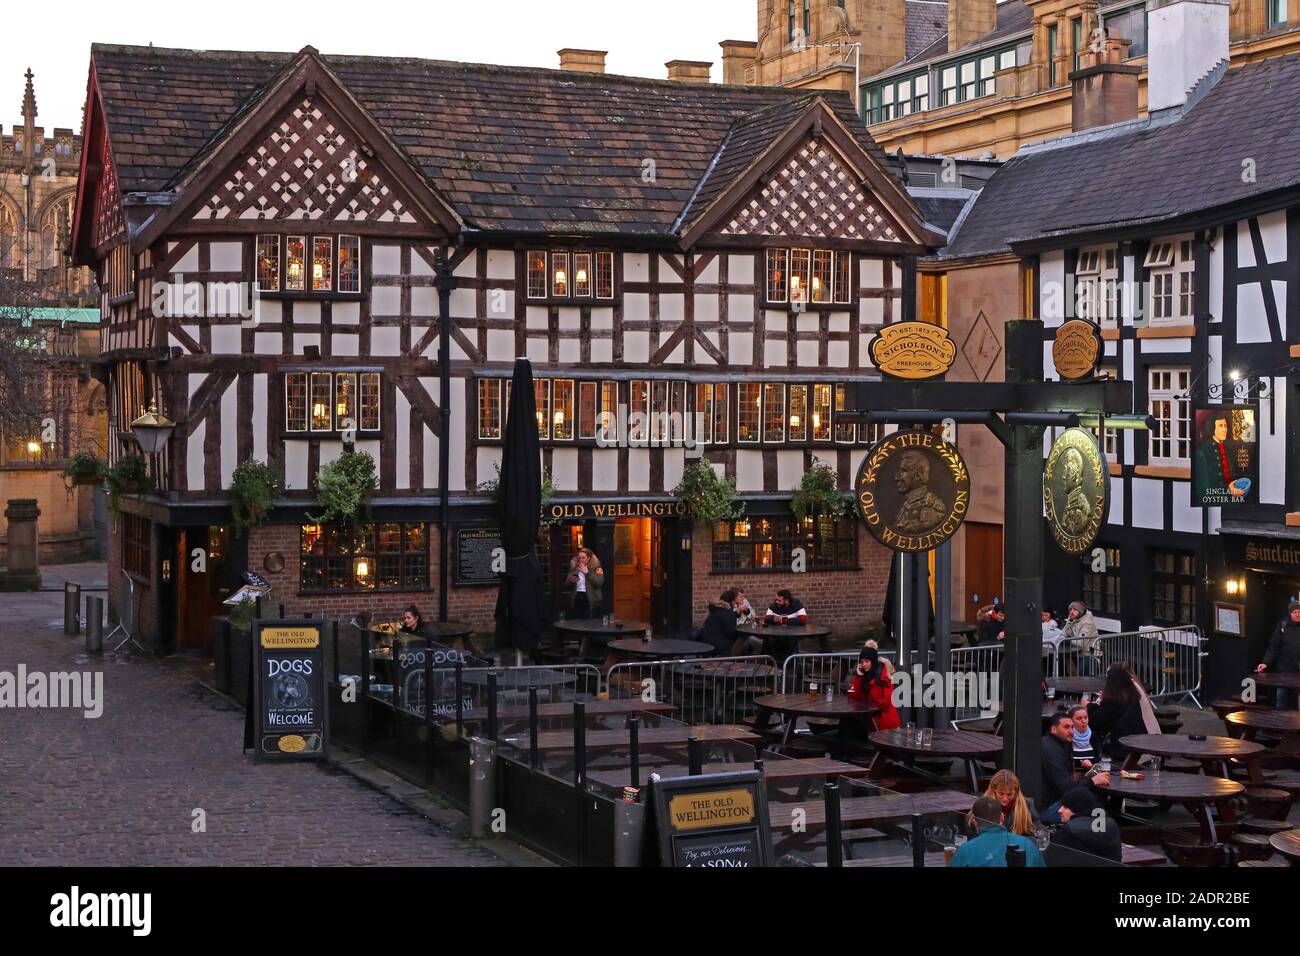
[(990, 847), (785, 609), (1058, 767), (1087, 827), (719, 628), (993, 629)]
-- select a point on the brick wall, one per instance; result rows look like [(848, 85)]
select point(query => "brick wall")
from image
[(148, 630), (473, 606), (846, 601)]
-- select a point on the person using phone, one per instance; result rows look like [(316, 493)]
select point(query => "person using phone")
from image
[(871, 683)]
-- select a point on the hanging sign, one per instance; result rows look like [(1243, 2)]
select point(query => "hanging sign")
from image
[(912, 350), (1076, 350), (1225, 464), (1076, 490), (913, 490)]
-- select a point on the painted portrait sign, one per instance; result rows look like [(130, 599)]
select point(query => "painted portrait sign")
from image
[(1225, 461)]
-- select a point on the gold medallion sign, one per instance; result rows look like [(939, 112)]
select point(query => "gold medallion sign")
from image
[(1076, 349), (1076, 486), (912, 350), (913, 490)]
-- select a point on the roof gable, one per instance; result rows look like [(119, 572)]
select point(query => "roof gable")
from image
[(798, 172)]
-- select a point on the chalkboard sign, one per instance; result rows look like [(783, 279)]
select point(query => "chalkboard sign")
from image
[(474, 547), (288, 690), (713, 820), (410, 653)]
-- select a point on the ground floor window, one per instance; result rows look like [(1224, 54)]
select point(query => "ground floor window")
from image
[(829, 543), (367, 557), (1101, 589), (136, 545), (1173, 587)]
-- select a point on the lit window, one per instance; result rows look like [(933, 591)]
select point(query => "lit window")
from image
[(587, 395), (295, 402), (345, 399), (322, 263), (542, 396), (537, 275), (798, 412), (773, 412), (489, 408), (349, 263), (268, 263), (369, 401), (821, 413), (295, 263), (582, 275), (844, 431), (562, 409), (776, 275), (749, 400), (823, 275), (800, 264), (559, 274), (322, 388), (604, 275), (638, 410)]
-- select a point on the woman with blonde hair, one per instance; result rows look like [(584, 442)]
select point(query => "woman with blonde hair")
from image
[(1018, 814)]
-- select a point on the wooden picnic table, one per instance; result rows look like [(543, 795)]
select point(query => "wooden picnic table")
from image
[(884, 807), (1287, 843), (551, 740), (774, 771), (1195, 792), (1213, 753), (965, 745), (789, 632), (1285, 722), (593, 708), (841, 707)]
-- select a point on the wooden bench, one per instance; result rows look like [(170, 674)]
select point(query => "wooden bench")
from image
[(1139, 856), (553, 740), (886, 808)]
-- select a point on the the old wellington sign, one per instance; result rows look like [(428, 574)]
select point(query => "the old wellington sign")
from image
[(912, 350), (1076, 484), (913, 491)]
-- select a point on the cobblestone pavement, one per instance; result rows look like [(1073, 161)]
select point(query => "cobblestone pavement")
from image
[(122, 789)]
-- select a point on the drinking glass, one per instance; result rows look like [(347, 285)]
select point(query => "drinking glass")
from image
[(1042, 837), (927, 738)]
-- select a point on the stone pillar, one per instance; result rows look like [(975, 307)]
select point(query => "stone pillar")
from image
[(24, 564)]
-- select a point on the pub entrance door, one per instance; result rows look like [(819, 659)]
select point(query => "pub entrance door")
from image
[(983, 566), (199, 593), (634, 558)]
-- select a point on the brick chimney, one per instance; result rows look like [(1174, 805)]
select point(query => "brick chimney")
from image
[(689, 71), (1104, 88), (738, 57), (968, 20), (1186, 39), (583, 61)]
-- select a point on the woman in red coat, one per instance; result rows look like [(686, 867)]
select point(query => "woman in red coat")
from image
[(871, 683)]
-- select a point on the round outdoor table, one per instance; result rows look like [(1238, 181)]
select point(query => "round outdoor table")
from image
[(1195, 792), (598, 630), (734, 670), (792, 632), (1285, 722), (964, 745), (1213, 753), (793, 706), (660, 647), (1287, 843), (1077, 685)]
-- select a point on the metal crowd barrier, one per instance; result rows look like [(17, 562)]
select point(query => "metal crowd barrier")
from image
[(1168, 660), (980, 659), (557, 683), (709, 690)]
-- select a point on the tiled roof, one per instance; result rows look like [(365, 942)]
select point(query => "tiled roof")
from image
[(1013, 16), (926, 22), (511, 148), (1147, 172), (940, 211)]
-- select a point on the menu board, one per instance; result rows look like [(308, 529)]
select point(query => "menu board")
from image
[(713, 820), (474, 554), (288, 690)]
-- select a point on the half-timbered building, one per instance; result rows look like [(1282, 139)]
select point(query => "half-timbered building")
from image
[(1179, 235), (286, 241)]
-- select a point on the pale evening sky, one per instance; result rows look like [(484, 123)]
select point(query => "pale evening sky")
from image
[(54, 39)]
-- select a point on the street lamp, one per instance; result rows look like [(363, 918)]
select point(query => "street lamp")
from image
[(152, 429)]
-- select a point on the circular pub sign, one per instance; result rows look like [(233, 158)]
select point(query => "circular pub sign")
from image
[(913, 490), (1076, 350), (1076, 490)]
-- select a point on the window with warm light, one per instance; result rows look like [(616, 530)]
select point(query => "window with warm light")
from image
[(809, 276), (268, 263), (773, 412), (295, 264), (798, 421), (570, 276), (542, 400), (489, 408), (767, 543), (562, 409), (322, 263), (328, 402), (821, 412), (749, 409), (366, 557), (844, 431), (349, 263), (325, 272)]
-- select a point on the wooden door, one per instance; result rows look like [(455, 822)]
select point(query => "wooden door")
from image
[(631, 569), (983, 567)]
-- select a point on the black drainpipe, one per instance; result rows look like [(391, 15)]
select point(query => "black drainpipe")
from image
[(443, 282)]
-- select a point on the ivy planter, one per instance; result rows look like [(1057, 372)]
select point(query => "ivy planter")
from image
[(254, 486), (344, 487), (707, 496), (819, 493)]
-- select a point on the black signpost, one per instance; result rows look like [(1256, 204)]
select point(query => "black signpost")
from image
[(713, 820), (289, 706)]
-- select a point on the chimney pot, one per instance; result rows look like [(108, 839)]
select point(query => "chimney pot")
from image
[(689, 71), (583, 61), (1104, 90)]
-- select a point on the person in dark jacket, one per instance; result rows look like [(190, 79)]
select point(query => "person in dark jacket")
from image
[(990, 847), (1117, 712), (1058, 767), (1086, 829), (993, 629), (1283, 654), (719, 630)]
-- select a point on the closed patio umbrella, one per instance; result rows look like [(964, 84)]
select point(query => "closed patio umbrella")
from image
[(520, 615)]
